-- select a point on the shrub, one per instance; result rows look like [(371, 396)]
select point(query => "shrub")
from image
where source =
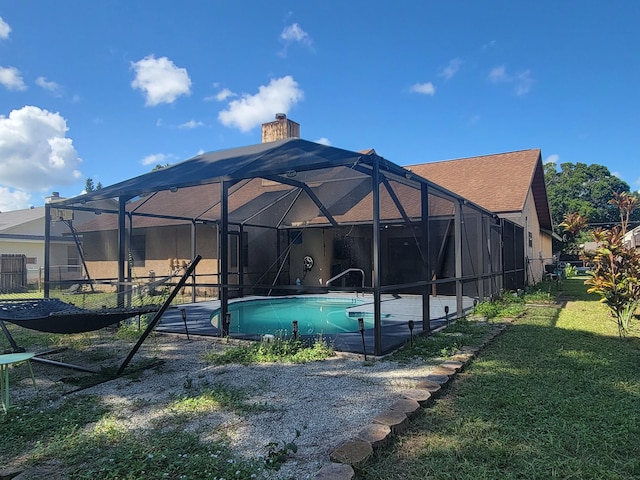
[(279, 349)]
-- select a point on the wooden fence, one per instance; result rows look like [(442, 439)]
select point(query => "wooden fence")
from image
[(13, 272)]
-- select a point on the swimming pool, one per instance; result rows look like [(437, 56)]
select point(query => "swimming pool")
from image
[(315, 315)]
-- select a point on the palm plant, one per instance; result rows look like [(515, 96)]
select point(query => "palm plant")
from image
[(616, 273)]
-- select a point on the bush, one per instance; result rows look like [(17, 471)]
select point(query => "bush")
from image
[(278, 349), (509, 305)]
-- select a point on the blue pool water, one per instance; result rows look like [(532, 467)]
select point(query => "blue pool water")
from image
[(315, 315)]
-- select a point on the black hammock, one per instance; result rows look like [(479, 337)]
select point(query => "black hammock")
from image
[(55, 316)]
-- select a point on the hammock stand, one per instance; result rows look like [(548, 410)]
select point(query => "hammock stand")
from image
[(52, 315), (55, 316)]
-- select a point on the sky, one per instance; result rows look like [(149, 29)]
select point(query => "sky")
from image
[(107, 90)]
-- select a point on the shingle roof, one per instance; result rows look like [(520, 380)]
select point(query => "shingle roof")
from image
[(339, 179), (14, 218), (261, 160), (500, 182)]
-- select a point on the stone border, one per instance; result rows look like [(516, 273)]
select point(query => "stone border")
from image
[(355, 453)]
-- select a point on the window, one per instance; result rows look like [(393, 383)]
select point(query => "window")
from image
[(138, 249), (234, 250), (530, 239), (73, 259)]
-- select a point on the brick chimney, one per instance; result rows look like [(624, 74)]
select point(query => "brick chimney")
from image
[(54, 197), (280, 129)]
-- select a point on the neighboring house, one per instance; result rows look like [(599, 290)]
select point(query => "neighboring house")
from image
[(512, 186), (632, 238), (22, 233)]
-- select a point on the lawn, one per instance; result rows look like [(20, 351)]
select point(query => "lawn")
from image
[(557, 395)]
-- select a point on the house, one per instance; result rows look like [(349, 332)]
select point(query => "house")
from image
[(293, 216), (632, 238), (290, 216), (22, 244), (25, 242), (512, 186)]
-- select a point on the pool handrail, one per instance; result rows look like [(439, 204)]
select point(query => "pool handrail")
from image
[(348, 270)]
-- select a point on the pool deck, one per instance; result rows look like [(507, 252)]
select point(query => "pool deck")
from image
[(396, 313)]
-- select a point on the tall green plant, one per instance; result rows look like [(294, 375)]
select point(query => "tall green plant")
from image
[(616, 273)]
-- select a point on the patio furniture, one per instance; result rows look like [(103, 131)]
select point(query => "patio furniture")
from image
[(6, 361)]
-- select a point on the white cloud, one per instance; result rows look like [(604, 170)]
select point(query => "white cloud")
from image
[(52, 87), (553, 158), (521, 81), (5, 29), (250, 111), (451, 69), (426, 88), (225, 93), (160, 80), (35, 153), (155, 159), (498, 74), (12, 80), (294, 34), (13, 199), (491, 44), (190, 124), (324, 141)]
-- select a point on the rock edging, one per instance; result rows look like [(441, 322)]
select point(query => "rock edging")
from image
[(355, 453)]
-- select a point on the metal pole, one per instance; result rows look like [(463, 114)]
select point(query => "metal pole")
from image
[(458, 255), (47, 248), (364, 344), (194, 232), (241, 261), (159, 313), (426, 263), (183, 312), (377, 316), (122, 249), (224, 250)]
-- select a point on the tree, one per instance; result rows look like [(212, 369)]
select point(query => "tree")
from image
[(89, 185), (584, 190), (616, 273), (626, 204), (573, 225)]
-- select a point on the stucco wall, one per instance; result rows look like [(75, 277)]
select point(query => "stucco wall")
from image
[(167, 252), (539, 250)]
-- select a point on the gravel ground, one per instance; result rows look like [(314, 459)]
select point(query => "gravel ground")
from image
[(327, 401)]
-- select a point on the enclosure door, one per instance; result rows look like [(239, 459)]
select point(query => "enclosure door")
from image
[(237, 259)]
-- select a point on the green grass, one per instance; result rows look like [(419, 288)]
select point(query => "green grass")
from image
[(83, 438), (215, 397), (117, 453), (557, 395), (445, 342), (278, 350), (509, 305)]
